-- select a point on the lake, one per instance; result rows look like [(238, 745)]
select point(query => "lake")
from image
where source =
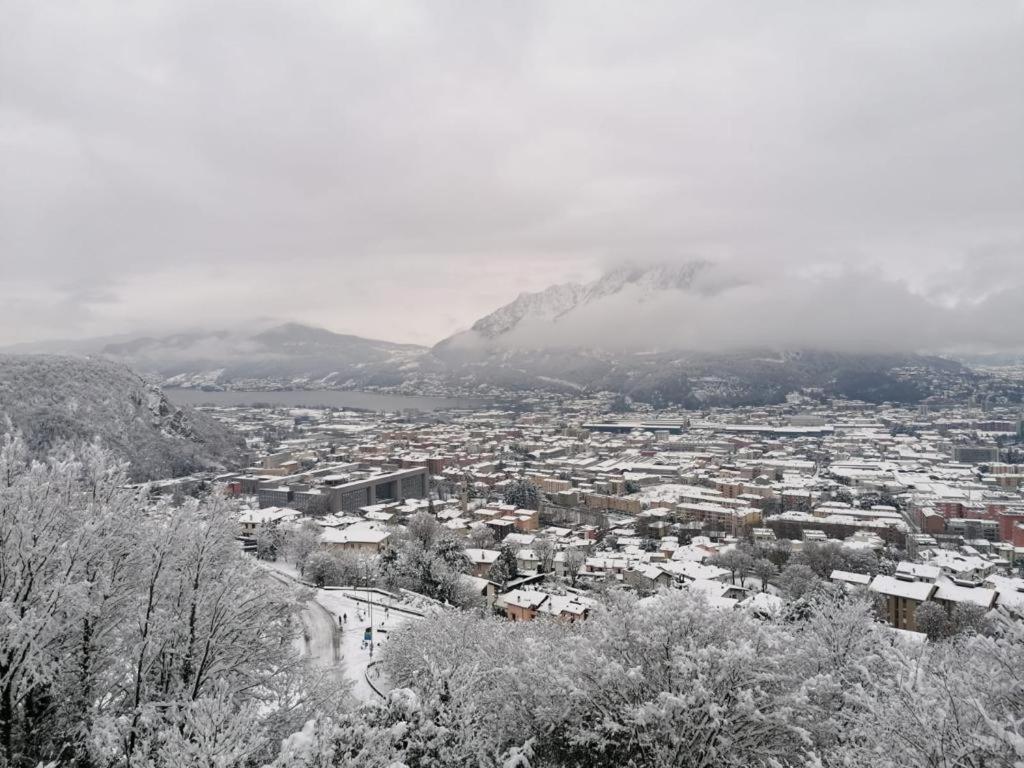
[(325, 398)]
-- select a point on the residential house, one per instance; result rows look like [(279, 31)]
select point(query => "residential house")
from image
[(902, 596)]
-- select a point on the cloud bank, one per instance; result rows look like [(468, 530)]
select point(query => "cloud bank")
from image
[(839, 310), (398, 170)]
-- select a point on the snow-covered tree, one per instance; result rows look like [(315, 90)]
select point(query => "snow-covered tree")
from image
[(322, 569), (269, 539), (736, 561), (765, 570), (522, 493), (129, 625), (480, 537), (574, 561), (505, 567), (932, 619), (425, 558), (544, 549), (797, 580), (299, 543), (670, 681)]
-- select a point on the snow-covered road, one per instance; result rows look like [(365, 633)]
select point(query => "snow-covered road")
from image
[(357, 607), (322, 618)]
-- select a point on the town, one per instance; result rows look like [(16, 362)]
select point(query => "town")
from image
[(512, 385), (539, 513)]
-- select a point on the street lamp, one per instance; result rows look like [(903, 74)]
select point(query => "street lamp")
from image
[(369, 599)]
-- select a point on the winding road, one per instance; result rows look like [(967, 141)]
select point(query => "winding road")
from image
[(329, 644)]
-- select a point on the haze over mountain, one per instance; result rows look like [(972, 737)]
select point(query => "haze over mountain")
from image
[(283, 352), (709, 307), (689, 333)]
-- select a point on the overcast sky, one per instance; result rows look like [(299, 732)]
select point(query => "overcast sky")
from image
[(396, 169)]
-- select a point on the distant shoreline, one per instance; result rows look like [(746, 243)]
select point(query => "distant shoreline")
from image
[(324, 398)]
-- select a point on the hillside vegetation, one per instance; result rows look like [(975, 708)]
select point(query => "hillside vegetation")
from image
[(138, 634), (54, 400)]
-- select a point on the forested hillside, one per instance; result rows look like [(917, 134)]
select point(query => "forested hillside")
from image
[(54, 400)]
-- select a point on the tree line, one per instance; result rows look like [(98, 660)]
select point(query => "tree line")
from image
[(667, 682)]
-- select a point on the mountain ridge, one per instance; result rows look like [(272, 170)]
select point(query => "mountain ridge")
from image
[(557, 302), (288, 352), (522, 347)]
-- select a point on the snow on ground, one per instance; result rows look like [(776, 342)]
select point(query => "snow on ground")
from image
[(754, 585), (357, 606), (323, 617)]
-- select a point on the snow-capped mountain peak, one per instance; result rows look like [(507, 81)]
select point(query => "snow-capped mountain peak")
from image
[(558, 301), (548, 304)]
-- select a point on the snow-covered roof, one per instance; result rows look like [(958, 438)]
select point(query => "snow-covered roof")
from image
[(850, 578), (524, 598), (520, 539), (686, 569), (574, 605), (955, 593), (354, 534), (714, 592), (1010, 592), (912, 590), (482, 556), (651, 572), (920, 571), (267, 515), (956, 563)]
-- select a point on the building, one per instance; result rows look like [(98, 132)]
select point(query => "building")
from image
[(902, 597), (528, 604), (976, 454), (273, 495), (481, 560), (851, 580), (647, 579), (250, 521), (349, 495), (973, 529), (358, 538), (949, 595), (522, 604)]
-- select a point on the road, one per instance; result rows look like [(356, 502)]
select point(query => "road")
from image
[(320, 620), (317, 640), (357, 655)]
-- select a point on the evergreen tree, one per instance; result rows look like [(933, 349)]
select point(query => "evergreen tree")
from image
[(505, 567), (523, 493)]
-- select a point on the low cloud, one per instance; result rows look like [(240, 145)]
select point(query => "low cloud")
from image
[(399, 169), (847, 310)]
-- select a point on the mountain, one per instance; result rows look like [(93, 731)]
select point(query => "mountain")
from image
[(54, 399), (286, 354), (565, 315), (625, 332), (669, 333), (549, 304)]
